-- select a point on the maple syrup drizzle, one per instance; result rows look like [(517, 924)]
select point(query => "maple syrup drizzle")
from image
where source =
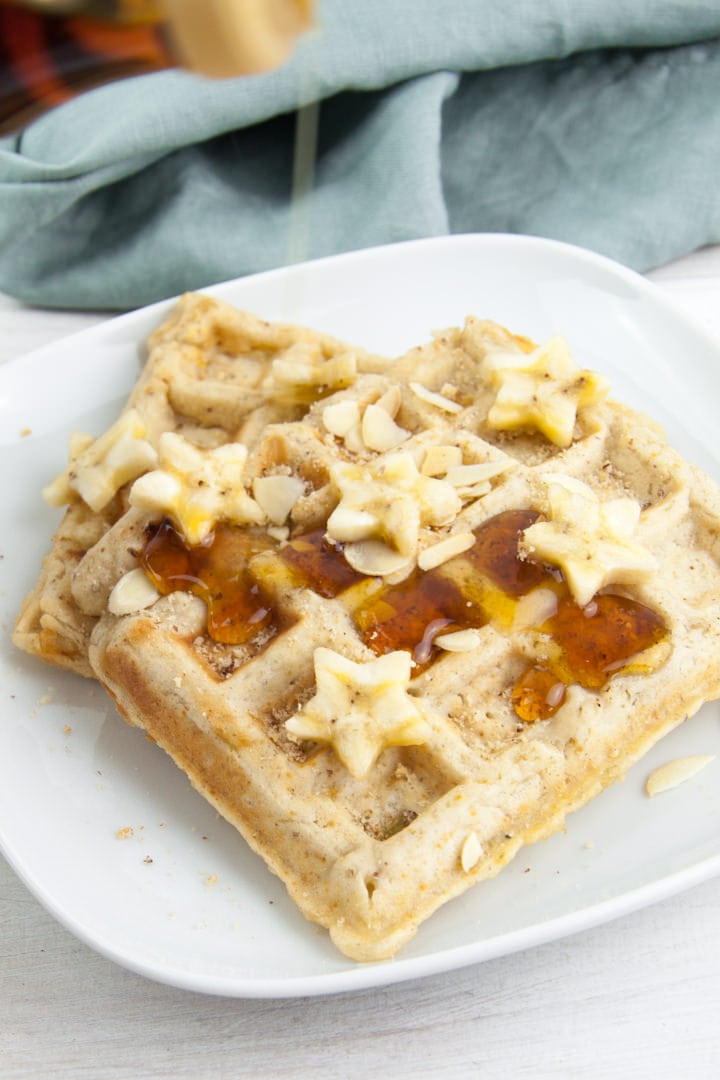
[(216, 571), (319, 564), (537, 694), (590, 643), (597, 640), (412, 614), (495, 553)]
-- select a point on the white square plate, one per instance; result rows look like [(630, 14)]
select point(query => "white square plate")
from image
[(181, 899)]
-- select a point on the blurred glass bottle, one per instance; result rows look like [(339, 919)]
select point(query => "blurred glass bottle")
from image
[(51, 50)]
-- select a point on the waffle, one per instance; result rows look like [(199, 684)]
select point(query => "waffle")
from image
[(453, 604), (203, 378)]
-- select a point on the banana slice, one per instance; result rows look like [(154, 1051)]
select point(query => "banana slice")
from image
[(543, 390), (197, 488), (99, 467), (387, 502), (591, 542), (361, 709)]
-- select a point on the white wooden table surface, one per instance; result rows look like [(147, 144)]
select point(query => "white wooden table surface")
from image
[(638, 997)]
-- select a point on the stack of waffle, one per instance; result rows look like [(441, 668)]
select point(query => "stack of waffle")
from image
[(394, 618)]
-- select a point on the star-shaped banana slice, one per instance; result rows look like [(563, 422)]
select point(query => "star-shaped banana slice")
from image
[(303, 370), (543, 390), (591, 541), (99, 467), (361, 708), (381, 509), (197, 488)]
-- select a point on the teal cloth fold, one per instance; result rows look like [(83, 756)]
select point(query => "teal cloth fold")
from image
[(592, 122)]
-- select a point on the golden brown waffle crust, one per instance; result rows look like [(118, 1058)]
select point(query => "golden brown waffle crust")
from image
[(220, 712), (370, 894), (200, 377)]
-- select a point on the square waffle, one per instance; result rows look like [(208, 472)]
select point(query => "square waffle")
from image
[(202, 378), (393, 618)]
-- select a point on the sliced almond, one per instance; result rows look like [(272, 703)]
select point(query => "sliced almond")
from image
[(391, 401), (445, 549), (379, 430), (459, 640), (340, 417), (471, 852), (475, 492), (676, 772), (438, 400), (133, 592), (475, 473), (534, 609), (354, 440), (375, 559), (276, 495)]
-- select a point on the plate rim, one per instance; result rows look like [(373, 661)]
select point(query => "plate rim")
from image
[(358, 977)]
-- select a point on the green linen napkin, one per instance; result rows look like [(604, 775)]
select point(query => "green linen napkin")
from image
[(591, 121)]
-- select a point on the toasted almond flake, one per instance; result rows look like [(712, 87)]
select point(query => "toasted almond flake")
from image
[(475, 473), (555, 695), (276, 495), (354, 440), (676, 772), (534, 609), (375, 559), (379, 430), (459, 640), (438, 400), (133, 592), (439, 460), (445, 549), (391, 401), (340, 417), (471, 852), (474, 492), (196, 610)]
